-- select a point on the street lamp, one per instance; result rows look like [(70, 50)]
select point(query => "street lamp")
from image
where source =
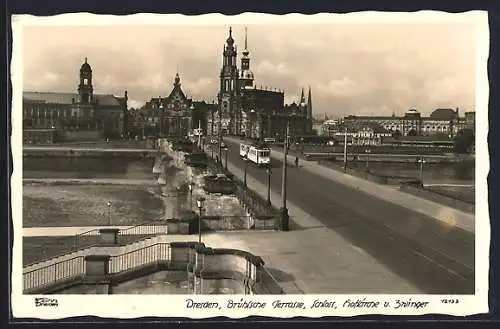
[(284, 210), (252, 115), (109, 213), (421, 161), (225, 154), (190, 187), (161, 119), (269, 184), (245, 158), (200, 203), (368, 151)]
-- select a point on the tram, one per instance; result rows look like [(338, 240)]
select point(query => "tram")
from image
[(259, 154)]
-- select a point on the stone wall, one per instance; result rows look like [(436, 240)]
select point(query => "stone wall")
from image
[(438, 198), (81, 135)]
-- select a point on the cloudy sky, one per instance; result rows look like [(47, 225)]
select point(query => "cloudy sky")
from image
[(371, 69)]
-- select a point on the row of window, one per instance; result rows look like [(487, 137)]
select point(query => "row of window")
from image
[(48, 113)]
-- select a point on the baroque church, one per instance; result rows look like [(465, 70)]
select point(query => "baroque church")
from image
[(245, 110), (86, 112)]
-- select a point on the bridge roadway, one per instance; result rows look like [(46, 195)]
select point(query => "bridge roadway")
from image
[(434, 256)]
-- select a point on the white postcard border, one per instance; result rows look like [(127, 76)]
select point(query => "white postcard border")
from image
[(123, 306)]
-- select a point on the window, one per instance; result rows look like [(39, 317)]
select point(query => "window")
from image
[(85, 81)]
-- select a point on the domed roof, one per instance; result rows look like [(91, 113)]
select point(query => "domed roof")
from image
[(230, 39), (85, 66), (443, 114), (412, 110)]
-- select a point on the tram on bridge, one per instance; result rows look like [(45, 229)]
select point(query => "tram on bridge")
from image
[(259, 154)]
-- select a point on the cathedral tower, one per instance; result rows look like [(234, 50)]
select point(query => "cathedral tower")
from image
[(85, 89), (229, 112), (246, 75), (309, 110)]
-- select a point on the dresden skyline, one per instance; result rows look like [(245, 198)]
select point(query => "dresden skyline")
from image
[(363, 69)]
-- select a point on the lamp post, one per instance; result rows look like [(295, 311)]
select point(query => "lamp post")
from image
[(161, 119), (252, 119), (190, 187), (226, 151), (109, 212), (284, 210), (368, 151), (345, 150), (269, 184), (421, 161), (200, 203), (245, 158)]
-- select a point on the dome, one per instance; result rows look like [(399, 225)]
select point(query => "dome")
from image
[(412, 111), (443, 114), (85, 66)]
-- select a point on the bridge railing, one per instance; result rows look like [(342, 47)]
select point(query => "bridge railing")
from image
[(236, 223), (55, 272)]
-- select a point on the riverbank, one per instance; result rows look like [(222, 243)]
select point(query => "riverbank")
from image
[(461, 197)]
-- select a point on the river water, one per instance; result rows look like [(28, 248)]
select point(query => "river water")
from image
[(77, 204)]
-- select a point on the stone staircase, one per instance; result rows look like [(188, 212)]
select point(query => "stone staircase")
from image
[(93, 250)]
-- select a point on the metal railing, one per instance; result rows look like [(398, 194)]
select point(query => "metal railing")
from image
[(55, 272), (140, 257), (80, 237), (88, 239), (145, 229)]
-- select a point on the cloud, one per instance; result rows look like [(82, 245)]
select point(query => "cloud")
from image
[(351, 67), (344, 87)]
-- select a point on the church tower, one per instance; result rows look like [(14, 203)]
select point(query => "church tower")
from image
[(246, 75), (309, 111), (85, 89), (229, 112)]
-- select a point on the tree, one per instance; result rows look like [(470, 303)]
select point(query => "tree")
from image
[(396, 134), (463, 141)]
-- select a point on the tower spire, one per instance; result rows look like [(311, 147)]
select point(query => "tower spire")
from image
[(85, 59), (309, 105), (302, 98), (246, 47)]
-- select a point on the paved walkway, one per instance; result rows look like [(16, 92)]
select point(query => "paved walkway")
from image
[(434, 210)]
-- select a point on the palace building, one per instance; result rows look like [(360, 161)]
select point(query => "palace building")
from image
[(83, 111), (440, 122), (245, 110)]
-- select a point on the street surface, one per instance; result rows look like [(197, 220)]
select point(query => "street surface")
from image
[(434, 256)]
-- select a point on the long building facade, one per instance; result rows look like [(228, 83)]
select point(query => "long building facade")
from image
[(104, 114), (248, 111), (445, 122)]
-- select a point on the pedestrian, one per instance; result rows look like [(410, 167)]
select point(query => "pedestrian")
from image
[(296, 161)]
